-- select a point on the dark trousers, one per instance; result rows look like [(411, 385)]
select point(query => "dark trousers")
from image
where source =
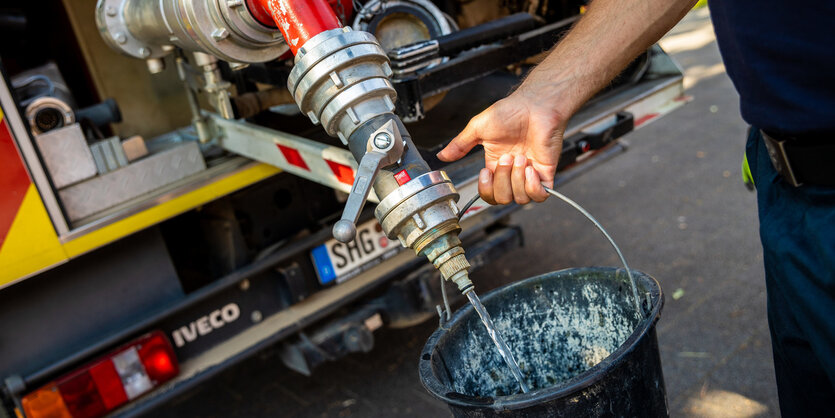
[(797, 229)]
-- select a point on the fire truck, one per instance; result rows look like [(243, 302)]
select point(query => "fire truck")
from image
[(186, 183)]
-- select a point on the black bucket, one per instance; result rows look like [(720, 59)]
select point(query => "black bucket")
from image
[(584, 350)]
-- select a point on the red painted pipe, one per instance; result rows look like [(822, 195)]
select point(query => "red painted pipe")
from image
[(298, 20)]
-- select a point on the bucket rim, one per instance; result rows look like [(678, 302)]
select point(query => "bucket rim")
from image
[(577, 383)]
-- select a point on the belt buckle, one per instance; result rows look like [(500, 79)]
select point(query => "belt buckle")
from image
[(779, 159)]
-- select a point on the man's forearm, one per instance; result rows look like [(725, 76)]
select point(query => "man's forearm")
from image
[(610, 35)]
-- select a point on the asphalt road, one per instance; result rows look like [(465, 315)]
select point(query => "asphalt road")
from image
[(676, 205)]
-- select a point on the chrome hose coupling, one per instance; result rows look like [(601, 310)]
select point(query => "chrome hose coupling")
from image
[(422, 215), (341, 80), (150, 29)]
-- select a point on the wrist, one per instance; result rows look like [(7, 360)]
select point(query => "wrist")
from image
[(557, 94)]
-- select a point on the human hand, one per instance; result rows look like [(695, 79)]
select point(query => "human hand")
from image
[(522, 142)]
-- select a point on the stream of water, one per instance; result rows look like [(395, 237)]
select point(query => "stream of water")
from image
[(504, 350)]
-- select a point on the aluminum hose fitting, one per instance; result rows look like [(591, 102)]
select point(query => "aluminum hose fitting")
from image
[(150, 29), (422, 215), (341, 80)]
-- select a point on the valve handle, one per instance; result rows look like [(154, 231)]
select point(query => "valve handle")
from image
[(345, 229), (385, 146)]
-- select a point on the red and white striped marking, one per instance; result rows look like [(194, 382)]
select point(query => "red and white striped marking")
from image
[(325, 164)]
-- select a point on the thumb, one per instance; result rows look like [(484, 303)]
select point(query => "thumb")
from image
[(463, 143)]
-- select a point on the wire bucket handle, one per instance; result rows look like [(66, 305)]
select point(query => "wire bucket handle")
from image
[(597, 224)]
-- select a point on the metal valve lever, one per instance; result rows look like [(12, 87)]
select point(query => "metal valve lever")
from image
[(385, 147)]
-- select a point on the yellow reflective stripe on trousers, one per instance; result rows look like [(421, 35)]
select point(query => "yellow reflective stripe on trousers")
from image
[(746, 172)]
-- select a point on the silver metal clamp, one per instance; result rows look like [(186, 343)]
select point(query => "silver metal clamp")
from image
[(341, 80)]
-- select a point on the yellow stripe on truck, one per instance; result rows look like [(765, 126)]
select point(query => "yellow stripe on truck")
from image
[(31, 244), (168, 209)]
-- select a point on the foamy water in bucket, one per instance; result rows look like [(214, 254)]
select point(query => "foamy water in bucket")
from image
[(576, 337)]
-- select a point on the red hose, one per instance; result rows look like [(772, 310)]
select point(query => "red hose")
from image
[(298, 20)]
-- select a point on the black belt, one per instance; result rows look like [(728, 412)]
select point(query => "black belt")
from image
[(802, 161)]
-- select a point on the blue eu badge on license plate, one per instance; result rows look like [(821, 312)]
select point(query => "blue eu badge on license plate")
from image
[(323, 264)]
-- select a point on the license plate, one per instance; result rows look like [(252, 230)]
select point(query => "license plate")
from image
[(337, 262)]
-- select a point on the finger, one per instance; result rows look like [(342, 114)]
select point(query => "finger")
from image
[(464, 142), (533, 185), (490, 162), (485, 186), (502, 189), (546, 174), (547, 178), (517, 180)]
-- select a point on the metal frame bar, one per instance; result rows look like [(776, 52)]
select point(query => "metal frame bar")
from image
[(263, 144)]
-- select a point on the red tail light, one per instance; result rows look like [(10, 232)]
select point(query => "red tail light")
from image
[(80, 395), (158, 358), (107, 383)]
